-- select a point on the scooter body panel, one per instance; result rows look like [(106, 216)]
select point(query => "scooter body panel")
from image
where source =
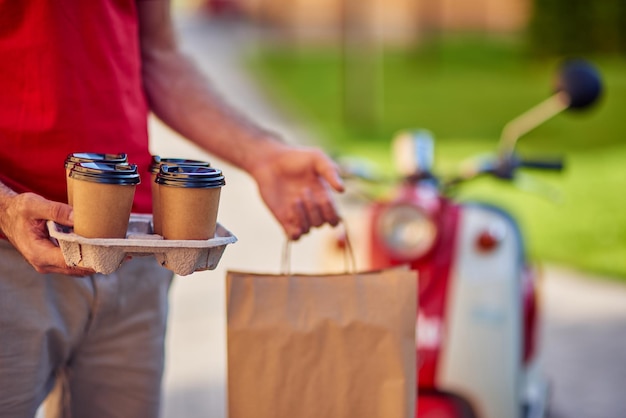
[(481, 357), (477, 306)]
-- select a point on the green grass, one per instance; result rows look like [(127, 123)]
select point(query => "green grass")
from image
[(464, 90)]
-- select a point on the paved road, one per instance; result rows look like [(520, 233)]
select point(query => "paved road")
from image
[(585, 345), (585, 333)]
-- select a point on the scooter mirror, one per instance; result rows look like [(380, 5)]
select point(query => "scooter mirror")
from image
[(578, 86), (580, 83)]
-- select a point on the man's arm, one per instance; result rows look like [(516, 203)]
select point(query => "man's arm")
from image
[(183, 98), (23, 222)]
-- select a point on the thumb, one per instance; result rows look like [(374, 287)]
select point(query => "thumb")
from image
[(60, 213), (330, 172)]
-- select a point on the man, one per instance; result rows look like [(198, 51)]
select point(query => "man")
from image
[(80, 76)]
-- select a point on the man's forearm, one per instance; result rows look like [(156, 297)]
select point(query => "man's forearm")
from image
[(181, 96)]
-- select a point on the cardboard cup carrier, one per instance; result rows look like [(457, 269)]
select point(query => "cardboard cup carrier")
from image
[(87, 157), (103, 198), (155, 167), (188, 200)]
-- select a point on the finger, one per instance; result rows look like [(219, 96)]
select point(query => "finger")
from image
[(329, 171), (298, 223), (49, 259), (293, 232), (312, 209), (67, 271), (326, 206), (57, 264), (330, 212), (61, 213), (39, 208)]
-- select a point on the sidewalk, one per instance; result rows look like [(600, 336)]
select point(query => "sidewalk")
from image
[(584, 343)]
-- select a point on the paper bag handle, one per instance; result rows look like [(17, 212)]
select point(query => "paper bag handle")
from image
[(349, 258)]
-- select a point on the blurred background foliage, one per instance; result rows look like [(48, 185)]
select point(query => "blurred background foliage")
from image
[(578, 26), (463, 77)]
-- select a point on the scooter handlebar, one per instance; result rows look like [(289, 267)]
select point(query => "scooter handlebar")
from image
[(505, 168), (556, 165)]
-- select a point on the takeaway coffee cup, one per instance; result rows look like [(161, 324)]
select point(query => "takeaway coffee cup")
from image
[(189, 200), (103, 198), (86, 157), (155, 167)]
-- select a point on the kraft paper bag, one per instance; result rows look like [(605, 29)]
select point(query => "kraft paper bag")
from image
[(337, 346)]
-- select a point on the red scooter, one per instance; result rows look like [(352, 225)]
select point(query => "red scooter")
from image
[(477, 326)]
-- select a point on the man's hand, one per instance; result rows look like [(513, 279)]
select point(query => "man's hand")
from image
[(23, 221), (295, 184)]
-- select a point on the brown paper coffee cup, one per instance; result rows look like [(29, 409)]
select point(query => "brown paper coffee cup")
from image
[(155, 166), (189, 214), (103, 199), (85, 157), (102, 210), (189, 201)]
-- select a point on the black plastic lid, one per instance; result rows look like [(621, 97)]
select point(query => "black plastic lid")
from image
[(157, 162), (86, 157), (189, 176), (106, 173)]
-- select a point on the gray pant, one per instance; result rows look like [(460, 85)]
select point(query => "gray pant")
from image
[(104, 335)]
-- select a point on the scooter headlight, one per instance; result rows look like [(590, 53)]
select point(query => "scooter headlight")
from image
[(407, 231)]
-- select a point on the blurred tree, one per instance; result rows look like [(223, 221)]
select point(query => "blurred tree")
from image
[(578, 26)]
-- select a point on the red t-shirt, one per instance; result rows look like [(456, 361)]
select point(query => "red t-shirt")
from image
[(70, 81)]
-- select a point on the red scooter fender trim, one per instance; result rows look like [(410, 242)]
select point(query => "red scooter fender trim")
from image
[(433, 280), (531, 295), (436, 404)]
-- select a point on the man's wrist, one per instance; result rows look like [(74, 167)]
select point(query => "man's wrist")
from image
[(6, 194), (269, 146)]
